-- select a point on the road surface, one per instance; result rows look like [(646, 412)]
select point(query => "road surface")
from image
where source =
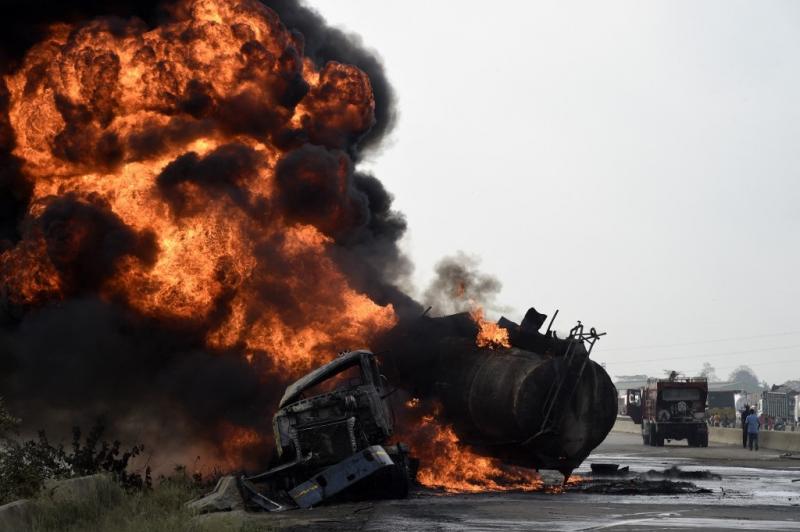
[(755, 492)]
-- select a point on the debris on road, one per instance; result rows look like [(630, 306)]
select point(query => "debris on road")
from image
[(610, 479), (676, 472), (225, 497), (609, 469), (639, 485)]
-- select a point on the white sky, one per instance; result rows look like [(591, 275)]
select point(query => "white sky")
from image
[(634, 164)]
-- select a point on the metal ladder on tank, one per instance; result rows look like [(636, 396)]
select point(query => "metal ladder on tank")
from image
[(558, 394)]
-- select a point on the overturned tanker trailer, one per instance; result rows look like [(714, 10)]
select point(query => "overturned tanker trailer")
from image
[(541, 403)]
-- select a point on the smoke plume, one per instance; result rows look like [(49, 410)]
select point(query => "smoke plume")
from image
[(460, 286), (183, 228)]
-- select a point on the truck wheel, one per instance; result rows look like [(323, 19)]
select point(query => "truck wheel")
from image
[(400, 476), (692, 441), (704, 441), (660, 441)]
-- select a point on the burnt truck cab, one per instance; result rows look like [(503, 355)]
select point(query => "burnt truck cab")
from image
[(351, 416), (331, 431), (671, 409)]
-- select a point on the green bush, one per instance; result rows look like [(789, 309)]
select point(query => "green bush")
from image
[(25, 465)]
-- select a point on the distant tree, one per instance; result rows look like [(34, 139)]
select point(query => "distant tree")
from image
[(746, 378), (709, 372), (792, 385)]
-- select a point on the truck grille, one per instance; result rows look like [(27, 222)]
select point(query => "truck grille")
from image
[(328, 442)]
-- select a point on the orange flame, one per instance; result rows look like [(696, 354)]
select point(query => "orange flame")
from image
[(101, 110), (122, 86), (490, 334), (238, 442), (448, 464)]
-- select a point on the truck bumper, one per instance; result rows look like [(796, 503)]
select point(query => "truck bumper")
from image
[(681, 431)]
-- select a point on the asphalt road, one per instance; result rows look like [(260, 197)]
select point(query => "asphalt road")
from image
[(755, 492)]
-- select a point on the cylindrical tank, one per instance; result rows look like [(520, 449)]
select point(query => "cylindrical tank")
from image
[(545, 410)]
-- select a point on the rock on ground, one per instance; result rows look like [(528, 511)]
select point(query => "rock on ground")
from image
[(16, 515), (79, 488), (225, 497)]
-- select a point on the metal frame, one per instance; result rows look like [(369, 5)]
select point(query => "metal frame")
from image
[(551, 422)]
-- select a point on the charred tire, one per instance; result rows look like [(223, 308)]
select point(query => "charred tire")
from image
[(399, 481), (401, 476)]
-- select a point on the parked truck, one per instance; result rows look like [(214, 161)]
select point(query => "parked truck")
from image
[(671, 409), (778, 405)]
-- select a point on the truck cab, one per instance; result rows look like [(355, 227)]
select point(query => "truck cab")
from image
[(345, 411), (331, 440)]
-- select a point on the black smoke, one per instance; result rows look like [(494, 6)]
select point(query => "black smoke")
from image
[(460, 286), (220, 173), (84, 355), (85, 358), (85, 241), (324, 43)]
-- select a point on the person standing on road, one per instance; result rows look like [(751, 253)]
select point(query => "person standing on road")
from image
[(753, 424), (745, 412)]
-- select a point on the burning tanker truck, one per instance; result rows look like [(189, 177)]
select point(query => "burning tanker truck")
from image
[(528, 399), (532, 400)]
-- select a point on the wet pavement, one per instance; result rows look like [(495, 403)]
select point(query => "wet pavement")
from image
[(746, 477), (754, 492)]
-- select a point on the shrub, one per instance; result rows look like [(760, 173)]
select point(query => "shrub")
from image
[(25, 465)]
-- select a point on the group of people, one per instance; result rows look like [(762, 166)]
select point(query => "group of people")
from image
[(751, 424), (719, 421)]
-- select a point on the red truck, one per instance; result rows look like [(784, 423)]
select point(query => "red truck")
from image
[(671, 409)]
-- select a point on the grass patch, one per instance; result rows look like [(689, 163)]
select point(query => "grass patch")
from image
[(115, 509)]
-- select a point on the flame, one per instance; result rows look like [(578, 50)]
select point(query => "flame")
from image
[(238, 442), (448, 464), (155, 157), (414, 402), (490, 334), (100, 114)]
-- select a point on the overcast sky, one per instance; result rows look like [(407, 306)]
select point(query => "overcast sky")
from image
[(634, 164)]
